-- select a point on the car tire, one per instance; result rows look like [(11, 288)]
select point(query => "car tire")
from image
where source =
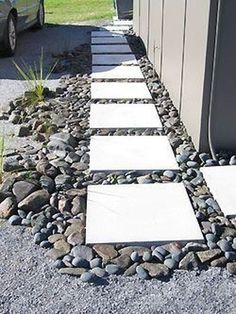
[(40, 16), (10, 37)]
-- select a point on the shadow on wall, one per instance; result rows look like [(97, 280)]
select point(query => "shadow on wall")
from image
[(53, 39)]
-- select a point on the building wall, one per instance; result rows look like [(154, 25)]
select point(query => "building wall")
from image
[(144, 21), (172, 47), (155, 33)]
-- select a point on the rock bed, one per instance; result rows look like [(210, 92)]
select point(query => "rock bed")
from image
[(46, 188)]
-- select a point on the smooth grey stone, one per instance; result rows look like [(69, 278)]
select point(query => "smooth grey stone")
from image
[(47, 183), (211, 237), (200, 216), (211, 162), (58, 264), (147, 256), (232, 160), (135, 257), (26, 222), (224, 245), (216, 229), (192, 164), (161, 250), (231, 256), (170, 263), (99, 272), (142, 273), (96, 262), (66, 138), (211, 245), (157, 255), (177, 256), (87, 277), (212, 203), (169, 174), (45, 244), (112, 269), (204, 157), (39, 237), (21, 213), (80, 262), (14, 220)]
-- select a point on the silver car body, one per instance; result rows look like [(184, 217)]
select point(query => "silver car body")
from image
[(25, 12)]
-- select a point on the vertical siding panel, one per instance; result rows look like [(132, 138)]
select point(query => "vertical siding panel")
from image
[(136, 21), (155, 33), (173, 38), (196, 40), (144, 21)]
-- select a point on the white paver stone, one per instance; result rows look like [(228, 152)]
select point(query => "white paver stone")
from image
[(111, 49), (114, 59), (137, 213), (221, 181), (109, 40), (114, 90), (131, 153), (116, 72), (124, 116), (106, 33)]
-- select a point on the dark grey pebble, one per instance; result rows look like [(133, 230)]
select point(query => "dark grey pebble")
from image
[(80, 262), (39, 237), (96, 262), (224, 245), (171, 263), (99, 272), (142, 273), (135, 257), (21, 213), (231, 256), (87, 277), (14, 220), (112, 269), (147, 256), (58, 264), (157, 256)]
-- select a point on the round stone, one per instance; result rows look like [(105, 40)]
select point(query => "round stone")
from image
[(14, 220), (112, 269), (170, 263), (142, 273), (99, 272), (147, 256), (39, 237), (80, 262), (87, 277), (135, 257), (58, 264), (224, 245), (45, 244), (96, 262)]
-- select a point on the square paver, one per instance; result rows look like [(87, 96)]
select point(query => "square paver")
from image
[(114, 90), (124, 116), (110, 153), (122, 22), (123, 59), (116, 72), (115, 28), (109, 40), (106, 33), (111, 49), (136, 213), (221, 181)]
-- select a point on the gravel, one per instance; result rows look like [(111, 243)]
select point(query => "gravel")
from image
[(29, 284)]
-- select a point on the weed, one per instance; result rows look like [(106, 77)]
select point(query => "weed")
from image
[(35, 79)]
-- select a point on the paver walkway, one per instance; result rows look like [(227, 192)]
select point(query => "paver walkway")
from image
[(131, 213)]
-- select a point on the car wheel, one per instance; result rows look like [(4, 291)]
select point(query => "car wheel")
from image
[(10, 40), (40, 16)]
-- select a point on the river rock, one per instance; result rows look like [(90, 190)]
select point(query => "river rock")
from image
[(156, 270), (106, 251), (82, 251), (22, 189), (231, 267), (209, 255), (124, 261), (7, 208), (189, 261), (35, 201), (72, 271)]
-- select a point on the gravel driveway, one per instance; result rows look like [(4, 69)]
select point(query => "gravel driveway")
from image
[(53, 40), (29, 285)]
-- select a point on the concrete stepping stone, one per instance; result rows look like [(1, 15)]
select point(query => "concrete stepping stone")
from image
[(108, 153), (116, 72), (109, 40), (114, 90), (106, 59), (106, 33), (137, 213), (112, 28), (111, 49), (122, 22), (221, 181), (112, 116)]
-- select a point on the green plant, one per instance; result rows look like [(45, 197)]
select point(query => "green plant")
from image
[(2, 149), (35, 79)]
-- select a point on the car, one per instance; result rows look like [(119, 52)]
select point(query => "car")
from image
[(16, 16)]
